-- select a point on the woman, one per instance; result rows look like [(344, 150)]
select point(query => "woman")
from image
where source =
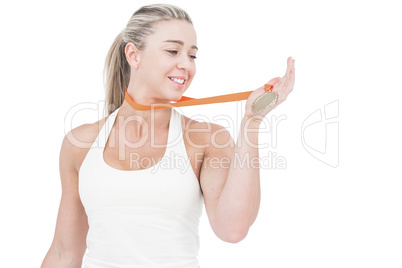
[(120, 199)]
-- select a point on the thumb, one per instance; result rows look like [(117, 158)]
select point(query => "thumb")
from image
[(273, 81)]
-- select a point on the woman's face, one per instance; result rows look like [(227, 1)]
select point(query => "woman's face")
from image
[(169, 54)]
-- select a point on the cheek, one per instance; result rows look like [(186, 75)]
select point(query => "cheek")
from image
[(193, 70)]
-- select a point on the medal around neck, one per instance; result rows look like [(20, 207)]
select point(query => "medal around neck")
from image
[(265, 101)]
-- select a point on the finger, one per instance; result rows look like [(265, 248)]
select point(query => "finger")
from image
[(289, 66), (285, 78), (291, 80), (290, 76)]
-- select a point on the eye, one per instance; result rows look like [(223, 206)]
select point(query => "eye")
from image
[(174, 52)]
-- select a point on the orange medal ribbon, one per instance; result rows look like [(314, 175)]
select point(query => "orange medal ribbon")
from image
[(187, 101)]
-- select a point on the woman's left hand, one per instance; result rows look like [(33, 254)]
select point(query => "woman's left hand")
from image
[(283, 86)]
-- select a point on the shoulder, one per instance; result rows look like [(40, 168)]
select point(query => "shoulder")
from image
[(78, 141), (84, 135)]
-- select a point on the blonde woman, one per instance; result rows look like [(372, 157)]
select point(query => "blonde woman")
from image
[(120, 199)]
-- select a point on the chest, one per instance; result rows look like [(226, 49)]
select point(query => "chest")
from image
[(133, 153)]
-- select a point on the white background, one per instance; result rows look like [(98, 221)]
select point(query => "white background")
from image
[(312, 214)]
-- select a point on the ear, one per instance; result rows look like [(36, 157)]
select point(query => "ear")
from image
[(132, 55)]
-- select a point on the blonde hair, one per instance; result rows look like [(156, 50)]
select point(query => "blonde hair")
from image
[(139, 27)]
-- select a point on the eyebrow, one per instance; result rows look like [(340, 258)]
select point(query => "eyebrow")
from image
[(180, 43)]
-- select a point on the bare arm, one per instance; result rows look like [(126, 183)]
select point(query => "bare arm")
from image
[(69, 242), (230, 176), (230, 181)]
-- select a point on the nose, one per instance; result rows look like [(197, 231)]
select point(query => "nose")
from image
[(184, 62)]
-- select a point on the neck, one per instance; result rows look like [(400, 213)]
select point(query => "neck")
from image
[(140, 122), (159, 117)]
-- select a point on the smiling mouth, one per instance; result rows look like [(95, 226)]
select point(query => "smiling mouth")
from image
[(178, 81)]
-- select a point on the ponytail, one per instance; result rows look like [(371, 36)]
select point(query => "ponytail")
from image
[(117, 74)]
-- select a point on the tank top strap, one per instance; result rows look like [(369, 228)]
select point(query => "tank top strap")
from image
[(106, 129), (175, 137)]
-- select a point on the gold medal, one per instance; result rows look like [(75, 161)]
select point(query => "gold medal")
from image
[(265, 101)]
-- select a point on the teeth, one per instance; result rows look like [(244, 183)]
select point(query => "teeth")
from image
[(180, 81)]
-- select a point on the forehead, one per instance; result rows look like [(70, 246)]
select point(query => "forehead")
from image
[(173, 30)]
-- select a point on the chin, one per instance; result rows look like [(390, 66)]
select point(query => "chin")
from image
[(176, 99), (178, 95)]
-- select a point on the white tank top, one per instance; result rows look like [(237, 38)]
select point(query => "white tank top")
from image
[(141, 218)]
